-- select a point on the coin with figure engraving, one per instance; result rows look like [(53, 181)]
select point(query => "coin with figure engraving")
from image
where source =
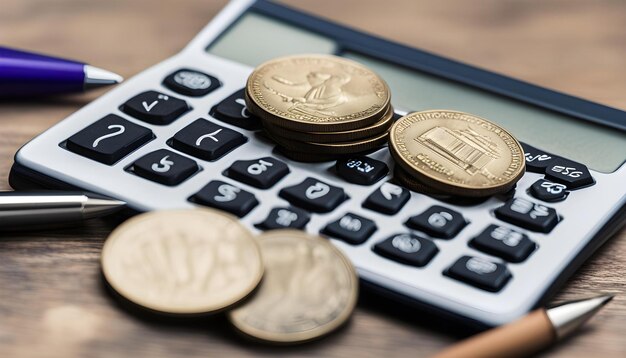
[(457, 153), (309, 289), (317, 93), (183, 262), (339, 148)]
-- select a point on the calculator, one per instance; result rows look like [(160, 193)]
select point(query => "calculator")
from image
[(178, 135)]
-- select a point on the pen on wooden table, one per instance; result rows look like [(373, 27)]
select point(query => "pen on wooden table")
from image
[(35, 210), (27, 74), (529, 334)]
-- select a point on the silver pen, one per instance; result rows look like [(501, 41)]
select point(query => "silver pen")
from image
[(39, 209)]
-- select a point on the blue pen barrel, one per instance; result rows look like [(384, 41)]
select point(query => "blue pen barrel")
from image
[(25, 74)]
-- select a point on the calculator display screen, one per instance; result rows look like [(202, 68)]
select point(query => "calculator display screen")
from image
[(255, 38), (601, 148)]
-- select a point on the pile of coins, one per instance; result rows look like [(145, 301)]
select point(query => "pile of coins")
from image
[(283, 286), (451, 153), (318, 107)]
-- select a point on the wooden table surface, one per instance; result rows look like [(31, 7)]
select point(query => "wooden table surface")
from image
[(52, 301)]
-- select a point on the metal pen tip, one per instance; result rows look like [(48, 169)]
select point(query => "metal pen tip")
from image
[(99, 206), (567, 317), (97, 77)]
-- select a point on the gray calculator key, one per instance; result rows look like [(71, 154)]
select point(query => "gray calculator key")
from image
[(155, 107), (285, 218), (503, 242), (546, 190), (314, 195), (351, 228), (206, 140), (481, 273), (387, 199), (438, 221), (227, 197), (191, 82), (528, 215), (165, 167), (109, 139), (408, 249)]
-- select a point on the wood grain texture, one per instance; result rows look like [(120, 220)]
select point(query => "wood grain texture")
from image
[(52, 299)]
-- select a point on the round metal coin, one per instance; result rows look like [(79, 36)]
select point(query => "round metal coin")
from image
[(183, 262), (339, 148), (309, 289), (456, 152), (317, 93)]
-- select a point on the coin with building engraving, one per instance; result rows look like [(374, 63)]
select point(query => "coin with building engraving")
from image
[(317, 93), (182, 262), (457, 153), (309, 289)]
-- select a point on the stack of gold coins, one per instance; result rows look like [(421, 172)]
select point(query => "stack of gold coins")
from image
[(318, 107), (451, 153), (283, 286)]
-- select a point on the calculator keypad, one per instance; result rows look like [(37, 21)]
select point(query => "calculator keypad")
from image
[(528, 215), (490, 276), (109, 139), (546, 190), (165, 167), (387, 199), (438, 221), (227, 197), (233, 110), (155, 107), (503, 242), (314, 195), (351, 228), (361, 170), (285, 218), (191, 83), (408, 249), (206, 140), (261, 173)]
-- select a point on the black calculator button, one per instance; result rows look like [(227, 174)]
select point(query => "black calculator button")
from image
[(165, 167), (570, 173), (503, 242), (408, 249), (537, 160), (529, 215), (155, 107), (546, 190), (206, 140), (314, 195), (285, 218), (361, 170), (351, 228), (261, 173), (233, 110), (388, 199), (438, 221), (490, 276), (109, 139), (191, 83), (227, 197)]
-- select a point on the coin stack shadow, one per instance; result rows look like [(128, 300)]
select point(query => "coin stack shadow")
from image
[(315, 116)]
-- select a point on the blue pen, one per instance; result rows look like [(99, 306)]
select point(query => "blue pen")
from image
[(25, 74)]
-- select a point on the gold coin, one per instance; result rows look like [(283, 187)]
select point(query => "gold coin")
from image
[(377, 128), (331, 148), (317, 93), (309, 289), (185, 262), (456, 152)]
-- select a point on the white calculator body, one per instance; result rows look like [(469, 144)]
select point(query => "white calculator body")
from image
[(177, 135)]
